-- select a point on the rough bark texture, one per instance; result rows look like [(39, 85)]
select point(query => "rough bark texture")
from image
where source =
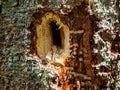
[(81, 28), (75, 54)]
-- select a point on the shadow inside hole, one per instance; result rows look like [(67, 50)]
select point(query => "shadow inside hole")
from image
[(56, 34)]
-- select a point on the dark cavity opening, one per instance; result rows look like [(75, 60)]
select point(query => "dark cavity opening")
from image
[(56, 35)]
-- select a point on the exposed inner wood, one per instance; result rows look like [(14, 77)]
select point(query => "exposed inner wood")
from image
[(66, 40), (52, 38)]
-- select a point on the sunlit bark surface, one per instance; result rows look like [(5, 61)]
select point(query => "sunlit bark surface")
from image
[(48, 45)]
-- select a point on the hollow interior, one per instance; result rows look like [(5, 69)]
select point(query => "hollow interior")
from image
[(52, 41), (56, 34)]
